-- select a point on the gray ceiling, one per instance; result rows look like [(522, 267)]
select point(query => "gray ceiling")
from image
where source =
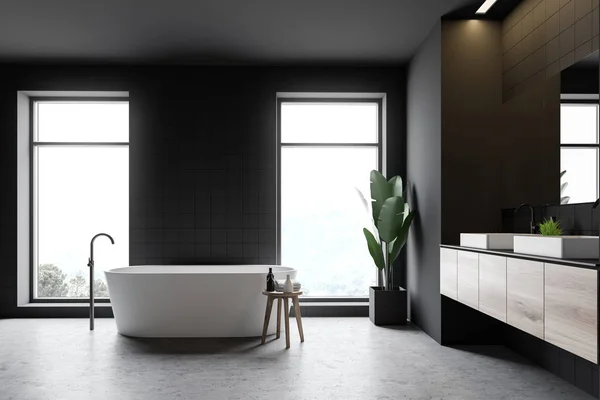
[(217, 31)]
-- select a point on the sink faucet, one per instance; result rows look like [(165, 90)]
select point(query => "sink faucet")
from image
[(91, 265), (532, 220), (594, 206)]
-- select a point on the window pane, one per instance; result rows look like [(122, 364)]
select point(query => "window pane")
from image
[(578, 123), (329, 123), (581, 175), (81, 191), (322, 218), (83, 122)]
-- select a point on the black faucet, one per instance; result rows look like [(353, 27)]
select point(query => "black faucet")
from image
[(91, 265), (532, 221), (594, 206)]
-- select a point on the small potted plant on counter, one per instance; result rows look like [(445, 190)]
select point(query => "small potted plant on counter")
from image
[(391, 220), (550, 227)]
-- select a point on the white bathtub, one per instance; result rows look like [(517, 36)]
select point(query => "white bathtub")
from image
[(191, 300)]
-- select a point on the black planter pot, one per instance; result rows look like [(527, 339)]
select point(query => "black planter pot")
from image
[(387, 307)]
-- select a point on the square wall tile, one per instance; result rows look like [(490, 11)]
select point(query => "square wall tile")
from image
[(552, 27), (539, 14), (567, 41), (567, 15), (528, 23), (582, 8), (583, 30), (553, 51), (552, 7)]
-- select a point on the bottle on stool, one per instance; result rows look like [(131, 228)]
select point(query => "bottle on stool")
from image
[(288, 286), (270, 281)]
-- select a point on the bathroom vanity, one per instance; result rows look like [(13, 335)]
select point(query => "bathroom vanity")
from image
[(553, 299)]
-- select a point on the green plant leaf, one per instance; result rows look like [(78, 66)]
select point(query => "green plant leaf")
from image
[(396, 186), (391, 218), (400, 241), (374, 249), (380, 192), (563, 173)]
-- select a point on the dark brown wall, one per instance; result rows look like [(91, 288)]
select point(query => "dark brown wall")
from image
[(494, 154), (469, 155)]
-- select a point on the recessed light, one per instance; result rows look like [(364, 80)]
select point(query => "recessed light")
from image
[(485, 7)]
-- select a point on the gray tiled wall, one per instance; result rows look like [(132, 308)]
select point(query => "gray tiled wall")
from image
[(202, 157)]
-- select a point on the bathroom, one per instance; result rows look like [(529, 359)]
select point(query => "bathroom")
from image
[(197, 172)]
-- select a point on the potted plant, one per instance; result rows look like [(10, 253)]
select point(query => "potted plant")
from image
[(391, 218), (550, 227)]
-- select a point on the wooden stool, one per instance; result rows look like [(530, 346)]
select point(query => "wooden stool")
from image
[(286, 309)]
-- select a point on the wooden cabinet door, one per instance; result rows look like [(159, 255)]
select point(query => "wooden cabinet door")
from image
[(525, 296), (492, 286), (571, 309), (448, 273), (468, 278)]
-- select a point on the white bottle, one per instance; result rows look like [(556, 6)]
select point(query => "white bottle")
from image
[(288, 286)]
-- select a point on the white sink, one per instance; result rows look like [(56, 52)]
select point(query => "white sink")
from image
[(575, 247), (488, 241)]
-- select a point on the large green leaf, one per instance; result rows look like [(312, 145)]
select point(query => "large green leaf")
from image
[(396, 186), (374, 249), (400, 241), (391, 218), (380, 192)]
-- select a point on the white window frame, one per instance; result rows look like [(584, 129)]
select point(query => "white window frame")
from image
[(26, 276), (583, 99), (287, 97)]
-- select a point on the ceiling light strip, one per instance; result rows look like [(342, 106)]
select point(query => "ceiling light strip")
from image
[(485, 7)]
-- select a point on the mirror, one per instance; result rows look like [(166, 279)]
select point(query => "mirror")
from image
[(579, 131)]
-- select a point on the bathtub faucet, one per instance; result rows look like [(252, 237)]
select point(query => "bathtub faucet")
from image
[(91, 265)]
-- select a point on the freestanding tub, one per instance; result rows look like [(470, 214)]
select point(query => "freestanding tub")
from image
[(191, 300)]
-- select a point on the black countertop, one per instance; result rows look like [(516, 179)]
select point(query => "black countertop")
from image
[(582, 263)]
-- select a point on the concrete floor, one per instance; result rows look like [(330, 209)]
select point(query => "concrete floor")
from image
[(342, 358)]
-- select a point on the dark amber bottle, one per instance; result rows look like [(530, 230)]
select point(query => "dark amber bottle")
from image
[(270, 281)]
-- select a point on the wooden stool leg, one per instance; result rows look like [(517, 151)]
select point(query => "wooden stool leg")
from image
[(286, 310), (278, 318), (298, 317), (267, 318)]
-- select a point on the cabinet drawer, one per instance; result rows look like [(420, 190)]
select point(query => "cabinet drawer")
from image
[(571, 309), (525, 296), (492, 286), (468, 278), (448, 273)]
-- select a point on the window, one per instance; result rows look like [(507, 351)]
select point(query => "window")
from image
[(80, 187), (327, 150), (579, 151)]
